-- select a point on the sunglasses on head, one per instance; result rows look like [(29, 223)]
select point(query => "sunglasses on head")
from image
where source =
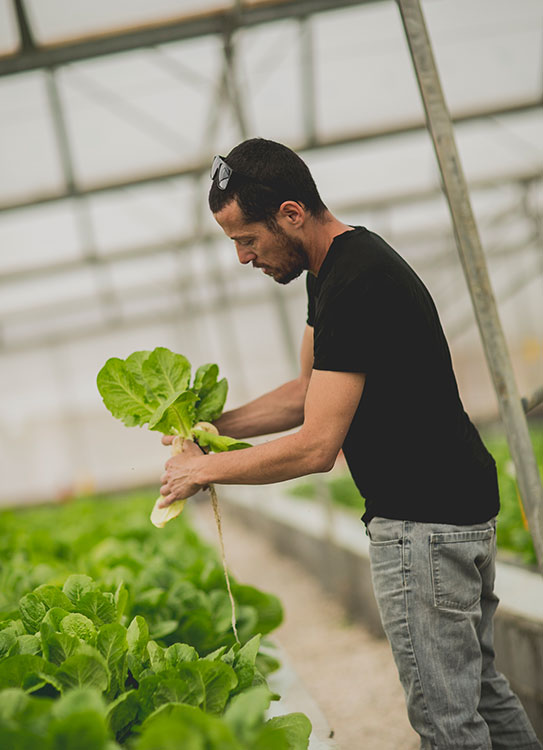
[(222, 171)]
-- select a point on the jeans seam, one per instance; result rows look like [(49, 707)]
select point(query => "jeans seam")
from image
[(488, 559), (417, 670)]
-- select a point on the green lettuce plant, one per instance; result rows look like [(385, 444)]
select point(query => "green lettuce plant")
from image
[(153, 388), (114, 635)]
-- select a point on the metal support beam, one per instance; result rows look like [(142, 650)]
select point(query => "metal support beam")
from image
[(232, 87), (371, 204), (83, 218), (226, 91), (234, 94), (186, 282), (135, 322), (515, 285), (346, 139), (25, 33), (136, 117), (307, 64), (171, 30), (535, 400), (474, 265)]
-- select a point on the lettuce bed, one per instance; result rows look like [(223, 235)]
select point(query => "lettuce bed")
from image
[(513, 536), (116, 634)]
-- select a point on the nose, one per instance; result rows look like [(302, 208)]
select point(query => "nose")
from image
[(244, 254)]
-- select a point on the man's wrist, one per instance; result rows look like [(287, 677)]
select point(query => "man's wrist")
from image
[(199, 473)]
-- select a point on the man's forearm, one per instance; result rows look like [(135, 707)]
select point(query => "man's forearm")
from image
[(276, 461), (276, 411), (332, 399)]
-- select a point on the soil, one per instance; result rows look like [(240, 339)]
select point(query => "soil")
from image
[(347, 671)]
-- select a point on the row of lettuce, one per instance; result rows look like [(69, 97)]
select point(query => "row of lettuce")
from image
[(116, 634), (513, 536)]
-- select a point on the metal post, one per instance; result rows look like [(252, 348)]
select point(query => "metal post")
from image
[(473, 261), (237, 108), (102, 276), (307, 63)]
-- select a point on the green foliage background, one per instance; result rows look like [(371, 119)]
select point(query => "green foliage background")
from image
[(513, 537), (114, 633)]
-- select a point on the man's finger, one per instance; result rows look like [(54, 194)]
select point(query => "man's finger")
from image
[(168, 500), (167, 439)]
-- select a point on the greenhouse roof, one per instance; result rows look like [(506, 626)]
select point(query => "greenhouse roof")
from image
[(111, 112)]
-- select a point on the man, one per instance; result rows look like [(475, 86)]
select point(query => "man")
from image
[(376, 379)]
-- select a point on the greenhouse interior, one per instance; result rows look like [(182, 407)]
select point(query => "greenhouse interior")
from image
[(250, 621)]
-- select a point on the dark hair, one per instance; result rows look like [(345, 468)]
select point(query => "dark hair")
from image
[(265, 174)]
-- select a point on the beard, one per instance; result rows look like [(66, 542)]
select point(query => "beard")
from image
[(293, 258)]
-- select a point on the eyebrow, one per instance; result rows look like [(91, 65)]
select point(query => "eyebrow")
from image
[(242, 237)]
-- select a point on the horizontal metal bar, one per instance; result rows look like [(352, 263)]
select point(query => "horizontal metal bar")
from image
[(345, 139), (536, 399), (172, 30), (143, 291), (145, 319), (115, 256), (515, 285), (64, 308), (174, 244)]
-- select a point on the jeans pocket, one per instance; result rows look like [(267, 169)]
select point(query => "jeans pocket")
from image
[(384, 532), (457, 559)]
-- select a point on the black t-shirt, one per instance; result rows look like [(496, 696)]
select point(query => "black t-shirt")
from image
[(411, 448)]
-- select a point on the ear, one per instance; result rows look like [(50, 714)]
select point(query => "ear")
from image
[(292, 213)]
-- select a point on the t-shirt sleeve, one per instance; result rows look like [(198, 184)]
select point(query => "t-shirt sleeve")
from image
[(352, 326), (310, 286)]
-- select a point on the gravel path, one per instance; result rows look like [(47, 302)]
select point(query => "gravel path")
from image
[(349, 673)]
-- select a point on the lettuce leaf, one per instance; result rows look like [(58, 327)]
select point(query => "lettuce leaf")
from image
[(57, 647), (165, 372), (80, 626), (204, 379), (153, 388), (138, 636), (86, 668), (32, 612), (294, 729), (176, 725), (134, 363), (218, 443), (123, 711), (27, 644), (111, 642), (23, 670), (245, 712), (125, 397), (79, 721), (52, 596), (211, 405), (76, 585), (211, 394), (98, 607), (175, 415)]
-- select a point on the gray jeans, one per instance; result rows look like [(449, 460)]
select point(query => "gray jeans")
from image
[(434, 588)]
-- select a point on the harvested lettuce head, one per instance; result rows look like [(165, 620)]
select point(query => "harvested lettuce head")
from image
[(154, 388)]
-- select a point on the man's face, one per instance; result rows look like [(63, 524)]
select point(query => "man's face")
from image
[(278, 255)]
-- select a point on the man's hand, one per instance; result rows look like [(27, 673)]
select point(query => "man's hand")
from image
[(176, 481)]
